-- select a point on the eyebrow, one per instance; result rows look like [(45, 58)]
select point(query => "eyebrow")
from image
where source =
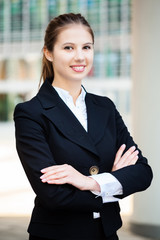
[(88, 43)]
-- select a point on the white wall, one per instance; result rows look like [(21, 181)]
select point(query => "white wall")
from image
[(146, 103)]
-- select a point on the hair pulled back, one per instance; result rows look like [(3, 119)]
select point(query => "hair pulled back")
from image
[(53, 29)]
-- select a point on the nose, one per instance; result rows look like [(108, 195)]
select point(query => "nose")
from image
[(79, 55)]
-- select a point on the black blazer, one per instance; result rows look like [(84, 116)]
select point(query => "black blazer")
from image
[(48, 133)]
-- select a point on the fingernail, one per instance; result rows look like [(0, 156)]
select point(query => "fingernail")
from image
[(43, 170), (44, 180), (124, 145), (133, 147)]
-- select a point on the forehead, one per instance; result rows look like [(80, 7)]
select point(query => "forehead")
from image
[(74, 33)]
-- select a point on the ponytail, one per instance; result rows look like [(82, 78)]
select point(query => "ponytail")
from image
[(47, 69)]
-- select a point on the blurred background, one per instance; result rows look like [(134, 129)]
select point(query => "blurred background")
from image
[(126, 69)]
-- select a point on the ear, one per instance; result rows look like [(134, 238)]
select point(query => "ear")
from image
[(48, 54)]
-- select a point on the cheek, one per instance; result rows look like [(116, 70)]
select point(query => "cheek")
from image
[(90, 62), (90, 58), (66, 59), (61, 57), (59, 62)]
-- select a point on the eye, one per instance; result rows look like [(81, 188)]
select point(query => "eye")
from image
[(87, 47), (68, 48)]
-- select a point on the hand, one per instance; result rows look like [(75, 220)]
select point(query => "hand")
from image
[(62, 174), (129, 158)]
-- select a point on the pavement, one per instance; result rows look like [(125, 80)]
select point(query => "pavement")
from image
[(15, 228), (16, 195)]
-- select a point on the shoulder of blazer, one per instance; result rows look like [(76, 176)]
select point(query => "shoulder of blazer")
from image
[(34, 106), (30, 109), (101, 100)]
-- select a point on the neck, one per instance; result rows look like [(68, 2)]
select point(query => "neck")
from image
[(73, 87)]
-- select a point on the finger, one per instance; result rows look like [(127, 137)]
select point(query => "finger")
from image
[(58, 171), (133, 162), (49, 173), (54, 167), (57, 181), (133, 159), (44, 170), (54, 173), (119, 153), (56, 176), (129, 156), (128, 153), (130, 160)]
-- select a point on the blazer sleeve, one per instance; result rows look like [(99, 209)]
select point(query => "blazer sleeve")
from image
[(134, 178), (34, 153)]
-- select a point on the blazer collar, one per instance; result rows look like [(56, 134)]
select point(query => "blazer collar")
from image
[(60, 115), (47, 95)]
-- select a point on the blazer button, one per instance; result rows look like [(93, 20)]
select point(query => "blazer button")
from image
[(94, 170)]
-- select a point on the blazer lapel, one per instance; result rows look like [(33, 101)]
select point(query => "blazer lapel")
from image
[(97, 118), (62, 117)]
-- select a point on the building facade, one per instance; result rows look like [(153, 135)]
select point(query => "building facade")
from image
[(22, 27)]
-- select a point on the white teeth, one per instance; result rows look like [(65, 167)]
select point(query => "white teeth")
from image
[(78, 68)]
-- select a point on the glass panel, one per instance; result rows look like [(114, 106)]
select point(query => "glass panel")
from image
[(52, 9), (16, 15), (36, 10), (7, 105), (1, 20)]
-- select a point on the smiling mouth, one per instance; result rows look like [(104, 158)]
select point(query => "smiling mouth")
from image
[(80, 68)]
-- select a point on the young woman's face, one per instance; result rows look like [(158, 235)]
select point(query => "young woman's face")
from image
[(72, 55)]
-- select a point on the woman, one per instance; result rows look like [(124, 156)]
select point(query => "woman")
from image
[(75, 149)]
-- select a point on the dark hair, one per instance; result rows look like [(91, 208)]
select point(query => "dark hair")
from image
[(53, 29)]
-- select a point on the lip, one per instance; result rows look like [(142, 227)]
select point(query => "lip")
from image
[(78, 68)]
